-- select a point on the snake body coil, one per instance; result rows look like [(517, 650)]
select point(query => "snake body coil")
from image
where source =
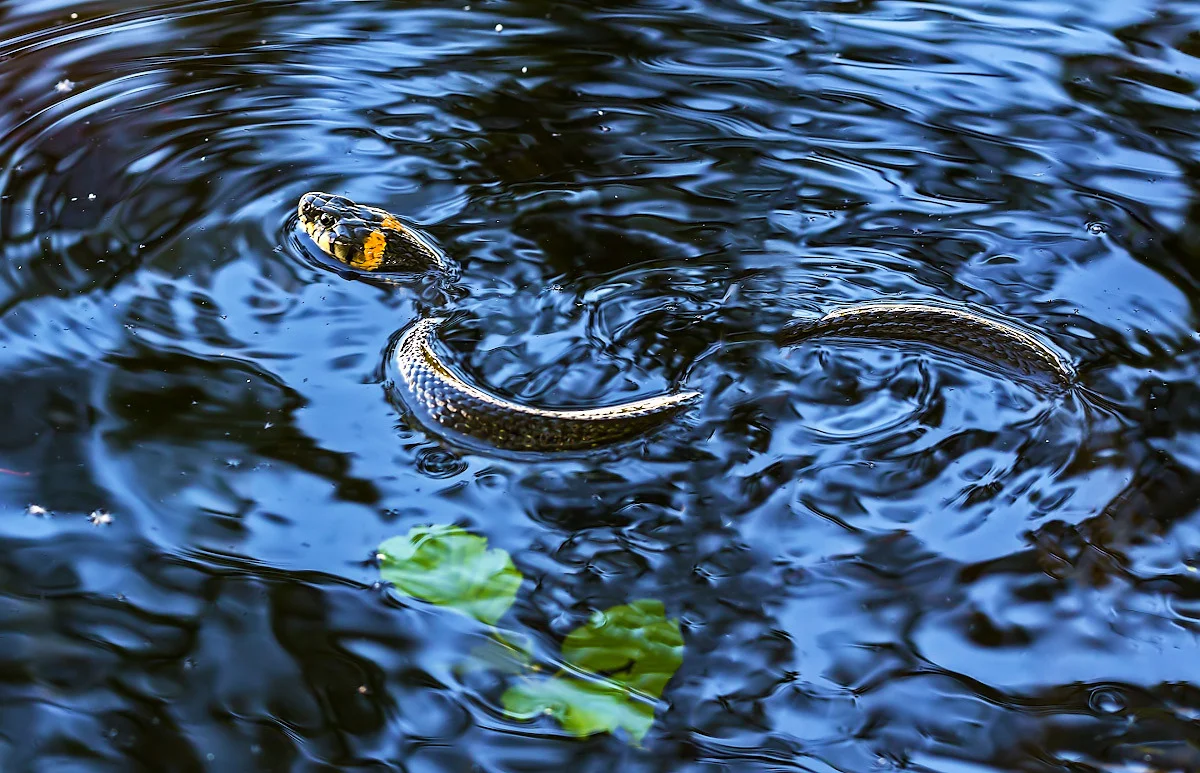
[(371, 239), (453, 403)]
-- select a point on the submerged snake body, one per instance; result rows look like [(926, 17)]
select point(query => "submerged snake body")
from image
[(372, 239)]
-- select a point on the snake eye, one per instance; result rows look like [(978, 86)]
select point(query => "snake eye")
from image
[(326, 220)]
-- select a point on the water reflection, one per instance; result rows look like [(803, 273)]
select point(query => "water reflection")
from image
[(881, 556)]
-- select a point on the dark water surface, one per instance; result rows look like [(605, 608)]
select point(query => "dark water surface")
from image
[(882, 557)]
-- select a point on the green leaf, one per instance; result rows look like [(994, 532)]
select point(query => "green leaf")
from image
[(450, 567), (634, 645), (582, 708), (634, 648)]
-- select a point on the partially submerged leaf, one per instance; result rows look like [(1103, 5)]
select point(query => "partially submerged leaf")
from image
[(582, 708), (635, 648), (634, 645), (450, 567)]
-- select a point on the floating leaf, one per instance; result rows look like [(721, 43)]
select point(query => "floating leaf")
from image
[(582, 708), (450, 567), (634, 647)]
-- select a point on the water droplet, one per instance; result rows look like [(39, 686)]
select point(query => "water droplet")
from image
[(1096, 228), (65, 85), (499, 28)]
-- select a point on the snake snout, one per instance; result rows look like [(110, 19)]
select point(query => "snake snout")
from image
[(322, 209), (307, 209)]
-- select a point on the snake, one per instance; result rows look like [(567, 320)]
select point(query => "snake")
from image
[(373, 240)]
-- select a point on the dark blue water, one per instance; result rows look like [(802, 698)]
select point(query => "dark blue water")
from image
[(880, 556)]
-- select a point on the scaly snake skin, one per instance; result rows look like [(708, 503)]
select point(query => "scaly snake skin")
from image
[(453, 403), (954, 328), (371, 239)]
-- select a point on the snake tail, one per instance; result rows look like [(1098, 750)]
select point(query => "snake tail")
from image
[(447, 398), (988, 338)]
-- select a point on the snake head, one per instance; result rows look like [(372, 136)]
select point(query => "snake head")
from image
[(363, 237)]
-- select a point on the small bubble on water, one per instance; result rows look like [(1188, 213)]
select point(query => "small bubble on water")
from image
[(74, 16), (1106, 701), (91, 197), (524, 69), (100, 518), (499, 28), (65, 85), (1097, 228)]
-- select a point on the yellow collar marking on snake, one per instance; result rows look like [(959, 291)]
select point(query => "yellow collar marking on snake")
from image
[(373, 248)]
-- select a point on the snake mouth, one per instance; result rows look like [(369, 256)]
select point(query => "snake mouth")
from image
[(365, 238)]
